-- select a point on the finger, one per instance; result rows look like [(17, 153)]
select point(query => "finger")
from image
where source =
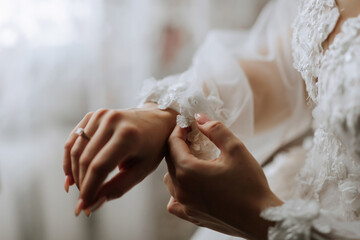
[(179, 151), (170, 164), (81, 142), (92, 208), (111, 155), (217, 132), (98, 141), (120, 184), (68, 146), (177, 209), (76, 151), (169, 184)]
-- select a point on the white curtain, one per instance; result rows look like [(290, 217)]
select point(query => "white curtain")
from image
[(62, 58)]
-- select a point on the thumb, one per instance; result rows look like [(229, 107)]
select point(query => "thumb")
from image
[(217, 132)]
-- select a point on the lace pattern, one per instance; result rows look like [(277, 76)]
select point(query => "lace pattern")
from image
[(295, 220), (173, 93), (196, 91), (316, 20), (330, 179)]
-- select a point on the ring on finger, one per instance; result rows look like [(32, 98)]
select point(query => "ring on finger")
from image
[(81, 132)]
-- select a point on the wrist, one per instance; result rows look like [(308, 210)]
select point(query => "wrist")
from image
[(167, 117), (271, 200), (248, 221)]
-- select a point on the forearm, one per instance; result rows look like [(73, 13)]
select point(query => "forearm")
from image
[(254, 225)]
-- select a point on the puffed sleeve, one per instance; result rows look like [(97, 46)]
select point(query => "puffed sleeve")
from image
[(219, 84), (215, 85)]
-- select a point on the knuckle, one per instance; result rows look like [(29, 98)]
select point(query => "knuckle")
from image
[(182, 176), (89, 114), (235, 147), (100, 112), (113, 116), (214, 128), (215, 125), (185, 162), (67, 146), (130, 132), (84, 161), (187, 165), (75, 153), (96, 169), (170, 208)]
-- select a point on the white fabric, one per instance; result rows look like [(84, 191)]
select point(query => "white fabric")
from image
[(327, 191), (329, 183)]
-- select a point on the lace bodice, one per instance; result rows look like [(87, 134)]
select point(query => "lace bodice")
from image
[(315, 21), (330, 179)]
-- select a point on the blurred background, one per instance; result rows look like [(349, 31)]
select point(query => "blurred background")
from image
[(60, 59)]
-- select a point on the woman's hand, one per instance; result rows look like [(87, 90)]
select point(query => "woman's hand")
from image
[(226, 194), (133, 140)]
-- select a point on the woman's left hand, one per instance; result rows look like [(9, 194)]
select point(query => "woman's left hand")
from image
[(226, 194)]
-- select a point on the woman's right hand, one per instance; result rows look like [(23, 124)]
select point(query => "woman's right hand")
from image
[(133, 140), (226, 194)]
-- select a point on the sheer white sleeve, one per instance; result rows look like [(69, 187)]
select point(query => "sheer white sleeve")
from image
[(215, 85), (220, 84)]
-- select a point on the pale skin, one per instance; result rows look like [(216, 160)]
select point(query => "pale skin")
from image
[(116, 142), (135, 141), (132, 140)]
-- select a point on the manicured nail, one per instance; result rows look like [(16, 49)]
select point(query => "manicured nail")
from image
[(87, 212), (201, 118), (80, 206), (95, 207), (71, 180), (66, 184)]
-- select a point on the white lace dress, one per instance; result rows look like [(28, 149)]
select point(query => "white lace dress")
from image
[(324, 200)]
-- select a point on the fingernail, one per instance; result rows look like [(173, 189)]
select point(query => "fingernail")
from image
[(87, 212), (71, 180), (66, 184), (80, 205), (201, 118), (95, 207)]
